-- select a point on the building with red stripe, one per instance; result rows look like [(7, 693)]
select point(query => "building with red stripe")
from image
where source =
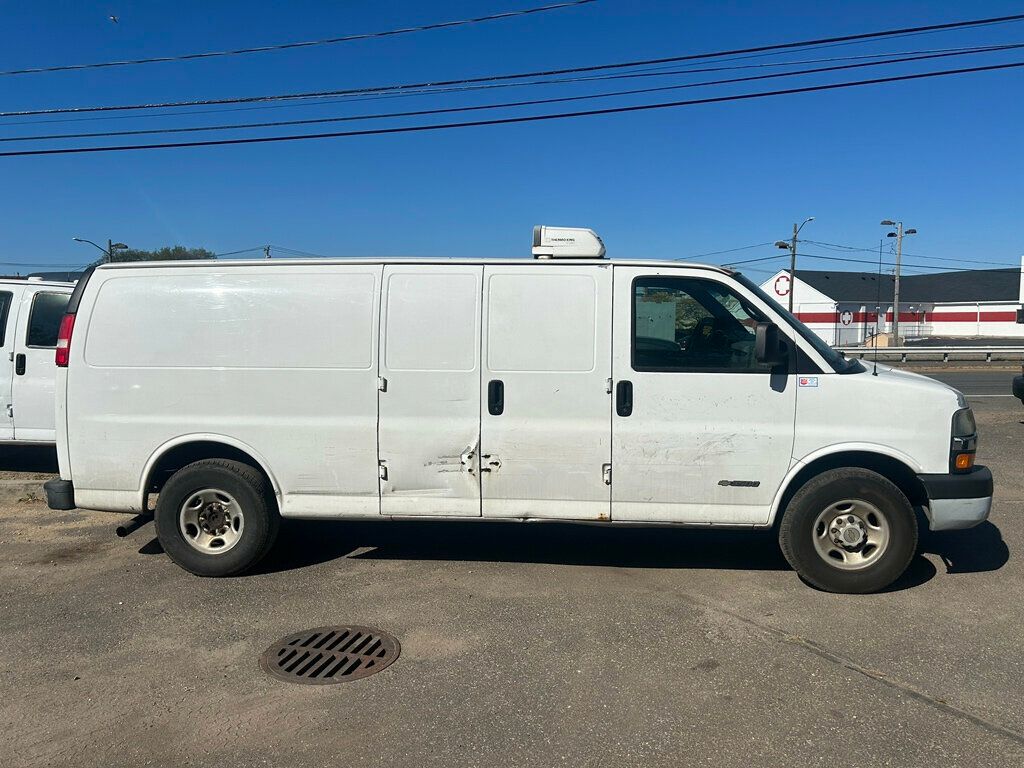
[(849, 307)]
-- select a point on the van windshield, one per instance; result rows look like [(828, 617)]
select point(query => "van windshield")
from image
[(835, 359)]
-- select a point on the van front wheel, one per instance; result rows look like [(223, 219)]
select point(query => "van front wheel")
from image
[(849, 530), (216, 517)]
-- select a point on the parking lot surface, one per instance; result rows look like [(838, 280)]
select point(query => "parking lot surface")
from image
[(522, 645)]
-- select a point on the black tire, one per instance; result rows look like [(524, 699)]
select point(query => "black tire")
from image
[(252, 493), (797, 534)]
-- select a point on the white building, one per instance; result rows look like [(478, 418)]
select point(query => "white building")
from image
[(849, 307)]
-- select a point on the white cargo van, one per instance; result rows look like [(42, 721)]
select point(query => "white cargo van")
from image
[(559, 388), (30, 314)]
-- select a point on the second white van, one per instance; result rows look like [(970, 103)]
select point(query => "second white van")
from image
[(30, 316), (558, 388)]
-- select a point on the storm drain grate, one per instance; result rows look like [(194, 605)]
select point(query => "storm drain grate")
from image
[(330, 655)]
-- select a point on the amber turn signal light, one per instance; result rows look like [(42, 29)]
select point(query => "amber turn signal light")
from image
[(964, 461)]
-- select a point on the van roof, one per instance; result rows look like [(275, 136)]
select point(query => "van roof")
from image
[(34, 282), (217, 263)]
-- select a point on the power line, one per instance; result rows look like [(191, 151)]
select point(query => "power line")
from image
[(1008, 269), (662, 72), (686, 71), (235, 253), (839, 246), (756, 261), (304, 44), (514, 76), (295, 252), (804, 255), (716, 253), (503, 105), (514, 120)]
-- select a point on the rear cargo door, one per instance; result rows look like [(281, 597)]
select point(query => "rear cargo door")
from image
[(546, 409), (430, 390), (35, 372)]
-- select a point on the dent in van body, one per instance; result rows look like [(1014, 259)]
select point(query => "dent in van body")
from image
[(430, 484)]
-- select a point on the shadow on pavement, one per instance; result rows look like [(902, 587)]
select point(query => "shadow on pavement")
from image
[(28, 458), (306, 543), (974, 550)]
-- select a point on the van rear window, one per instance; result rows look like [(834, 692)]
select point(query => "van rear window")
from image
[(44, 320), (5, 307)]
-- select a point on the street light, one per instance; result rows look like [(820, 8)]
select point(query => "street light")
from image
[(898, 234), (791, 245), (108, 252)]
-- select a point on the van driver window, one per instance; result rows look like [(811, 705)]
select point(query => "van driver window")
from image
[(687, 324), (44, 321)]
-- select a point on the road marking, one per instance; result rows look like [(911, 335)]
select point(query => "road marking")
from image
[(988, 395)]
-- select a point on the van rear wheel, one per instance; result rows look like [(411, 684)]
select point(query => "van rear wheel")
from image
[(849, 530), (216, 517)]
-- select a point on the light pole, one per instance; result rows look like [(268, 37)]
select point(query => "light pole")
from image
[(108, 252), (791, 247), (898, 234)]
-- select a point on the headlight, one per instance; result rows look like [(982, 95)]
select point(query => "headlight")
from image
[(964, 441), (964, 424)]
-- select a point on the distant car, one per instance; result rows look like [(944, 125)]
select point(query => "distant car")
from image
[(1018, 387)]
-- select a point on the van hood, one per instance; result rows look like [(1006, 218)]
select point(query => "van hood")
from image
[(900, 377)]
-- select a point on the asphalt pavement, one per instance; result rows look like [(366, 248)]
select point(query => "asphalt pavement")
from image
[(975, 382), (522, 645)]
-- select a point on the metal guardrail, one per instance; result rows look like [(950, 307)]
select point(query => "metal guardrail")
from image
[(961, 353)]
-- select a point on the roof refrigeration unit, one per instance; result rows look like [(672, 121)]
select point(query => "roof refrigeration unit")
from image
[(566, 243)]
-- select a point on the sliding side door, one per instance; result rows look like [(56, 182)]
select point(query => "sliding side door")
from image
[(546, 410)]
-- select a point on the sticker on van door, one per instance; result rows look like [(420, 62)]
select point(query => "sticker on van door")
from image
[(808, 381)]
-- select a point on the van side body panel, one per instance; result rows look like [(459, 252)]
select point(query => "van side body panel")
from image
[(282, 362)]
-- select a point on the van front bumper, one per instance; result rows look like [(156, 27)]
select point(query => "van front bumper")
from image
[(958, 501), (60, 494)]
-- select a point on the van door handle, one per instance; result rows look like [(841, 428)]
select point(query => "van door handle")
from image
[(624, 398), (19, 364), (496, 397)]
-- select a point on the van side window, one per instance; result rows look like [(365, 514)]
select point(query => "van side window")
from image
[(5, 308), (44, 319), (688, 324)]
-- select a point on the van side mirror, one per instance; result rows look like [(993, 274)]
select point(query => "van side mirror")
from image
[(767, 348)]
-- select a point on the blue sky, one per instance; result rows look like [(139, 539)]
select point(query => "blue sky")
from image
[(944, 155)]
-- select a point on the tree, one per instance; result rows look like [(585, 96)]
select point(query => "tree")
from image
[(175, 253)]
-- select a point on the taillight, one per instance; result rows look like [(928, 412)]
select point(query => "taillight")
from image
[(67, 327)]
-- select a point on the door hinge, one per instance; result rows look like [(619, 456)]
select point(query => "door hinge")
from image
[(382, 469), (382, 384), (10, 410), (607, 386), (606, 470)]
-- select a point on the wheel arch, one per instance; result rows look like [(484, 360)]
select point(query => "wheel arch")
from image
[(894, 465), (180, 451)]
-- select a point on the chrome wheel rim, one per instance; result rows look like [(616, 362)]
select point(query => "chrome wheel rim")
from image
[(851, 534), (211, 521)]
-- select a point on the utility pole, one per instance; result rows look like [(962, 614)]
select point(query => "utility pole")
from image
[(791, 247), (898, 234), (266, 251), (896, 286)]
